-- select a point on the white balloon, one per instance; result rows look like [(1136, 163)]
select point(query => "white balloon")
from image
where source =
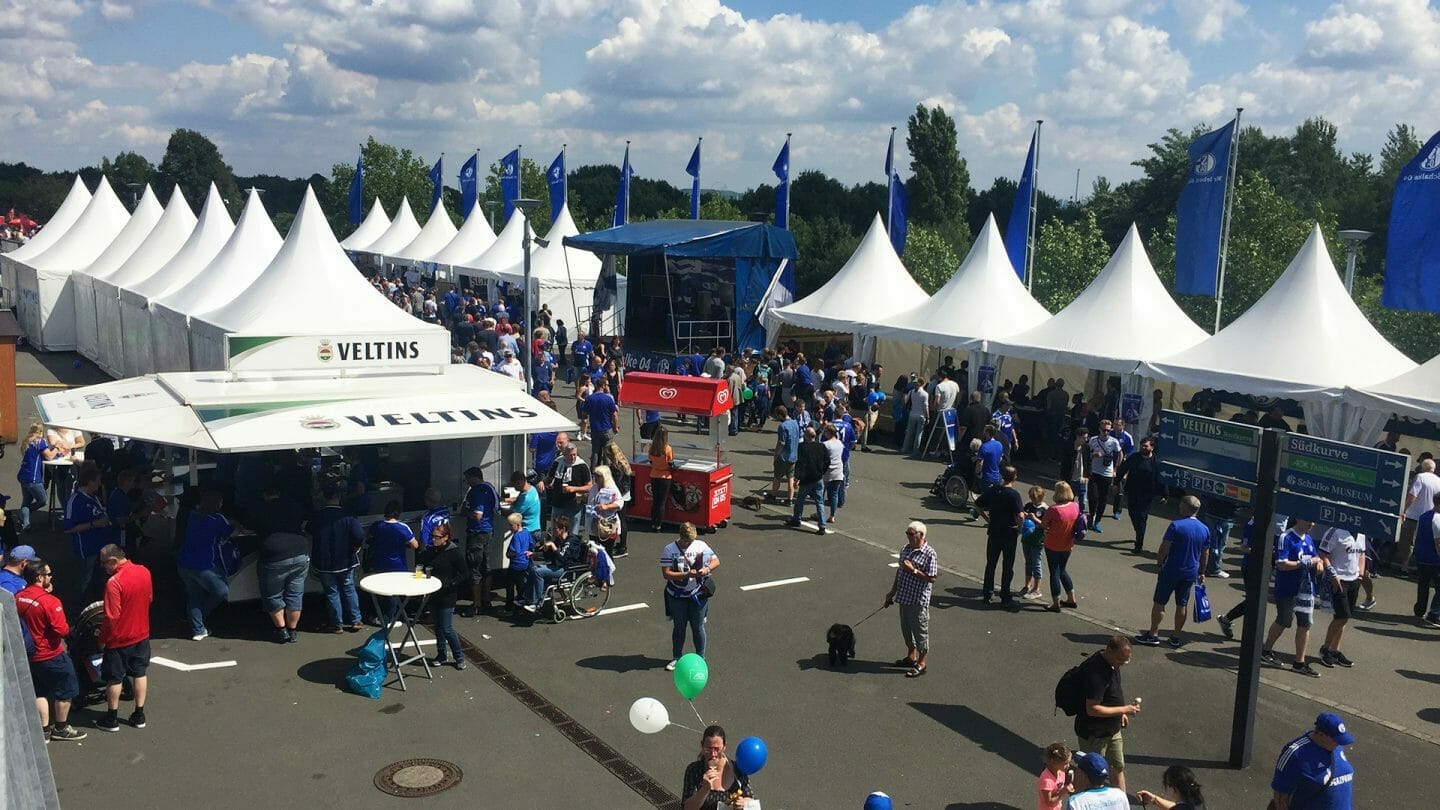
[(649, 716)]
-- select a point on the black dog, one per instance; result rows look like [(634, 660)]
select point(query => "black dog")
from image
[(842, 644)]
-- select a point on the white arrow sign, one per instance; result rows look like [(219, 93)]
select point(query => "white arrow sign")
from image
[(166, 662)]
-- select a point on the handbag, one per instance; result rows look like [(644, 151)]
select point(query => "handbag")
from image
[(1202, 605), (707, 587), (607, 528)]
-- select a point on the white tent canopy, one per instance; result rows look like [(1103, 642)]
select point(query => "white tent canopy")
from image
[(872, 286), (46, 298), (402, 231), (165, 239), (1415, 394), (212, 230), (251, 247), (507, 249), (437, 233), (50, 233), (374, 224), (472, 240), (309, 286), (562, 278), (132, 236)]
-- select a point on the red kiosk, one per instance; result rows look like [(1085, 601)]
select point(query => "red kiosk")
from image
[(701, 490)]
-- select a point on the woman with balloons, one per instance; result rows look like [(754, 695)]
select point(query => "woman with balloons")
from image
[(714, 778)]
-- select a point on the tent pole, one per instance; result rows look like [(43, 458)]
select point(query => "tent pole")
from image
[(670, 296), (1229, 206), (1034, 209)]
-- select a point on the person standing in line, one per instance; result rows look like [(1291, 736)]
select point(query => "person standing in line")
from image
[(1424, 487), (1092, 788), (1006, 431), (811, 464), (436, 513), (1104, 454), (51, 669), (1427, 566), (1003, 511), (684, 564), (527, 498), (446, 562), (482, 506), (32, 474), (206, 585), (919, 414), (989, 458), (124, 635), (1345, 556), (390, 540), (1312, 772), (88, 525), (1100, 727), (1297, 566), (1059, 522), (1075, 466), (604, 416), (834, 479), (660, 455), (1127, 447), (1182, 558), (335, 541), (735, 385), (1140, 480), (282, 568), (911, 588)]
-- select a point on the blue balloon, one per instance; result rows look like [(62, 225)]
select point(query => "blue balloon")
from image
[(1029, 526), (750, 755), (877, 801)]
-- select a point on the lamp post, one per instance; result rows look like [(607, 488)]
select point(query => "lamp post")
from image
[(527, 205), (1352, 240), (134, 195), (490, 209)]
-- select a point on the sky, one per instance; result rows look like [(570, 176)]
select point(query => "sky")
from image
[(291, 87)]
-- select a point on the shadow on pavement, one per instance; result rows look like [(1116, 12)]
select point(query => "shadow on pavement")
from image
[(856, 666), (622, 663), (1165, 762), (1202, 658), (326, 671), (1410, 634), (986, 733), (1088, 639), (1428, 677), (1429, 715)]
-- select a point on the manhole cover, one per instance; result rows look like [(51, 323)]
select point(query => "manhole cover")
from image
[(413, 778)]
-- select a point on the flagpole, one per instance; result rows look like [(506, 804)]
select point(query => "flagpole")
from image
[(890, 190), (788, 173), (565, 175), (519, 174), (1229, 206), (625, 170), (1034, 209), (699, 141)]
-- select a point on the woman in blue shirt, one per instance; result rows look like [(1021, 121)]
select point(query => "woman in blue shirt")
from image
[(32, 473)]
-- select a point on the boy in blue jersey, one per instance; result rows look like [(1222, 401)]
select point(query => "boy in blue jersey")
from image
[(436, 514), (1298, 567), (1312, 772)]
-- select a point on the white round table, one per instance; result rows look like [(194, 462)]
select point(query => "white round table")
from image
[(59, 466), (402, 586)]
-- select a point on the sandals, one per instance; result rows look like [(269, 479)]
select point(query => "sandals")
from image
[(916, 672), (905, 663)]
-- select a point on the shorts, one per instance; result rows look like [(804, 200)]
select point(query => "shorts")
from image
[(784, 469), (915, 627), (1285, 614), (477, 554), (1111, 747), (55, 679), (1176, 584), (1344, 603), (119, 662)]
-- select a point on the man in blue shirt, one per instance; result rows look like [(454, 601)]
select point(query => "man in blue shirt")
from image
[(581, 351), (1297, 568), (544, 372), (604, 419), (787, 450), (543, 446), (482, 550), (1312, 772), (436, 514), (89, 526), (1183, 553), (987, 460), (1427, 564)]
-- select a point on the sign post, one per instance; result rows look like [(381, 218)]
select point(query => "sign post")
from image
[(1359, 489), (1257, 583)]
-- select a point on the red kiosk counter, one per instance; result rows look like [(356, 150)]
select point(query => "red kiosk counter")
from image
[(700, 493)]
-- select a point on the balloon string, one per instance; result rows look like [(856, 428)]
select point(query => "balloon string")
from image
[(687, 728), (697, 712)]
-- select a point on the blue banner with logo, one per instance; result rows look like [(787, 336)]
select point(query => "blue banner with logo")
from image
[(1017, 230), (899, 214), (1412, 256), (555, 177), (510, 180), (693, 169), (1200, 214), (781, 167), (468, 191), (437, 181), (356, 203), (622, 196)]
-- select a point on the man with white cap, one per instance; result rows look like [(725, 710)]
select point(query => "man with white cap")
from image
[(1312, 771), (1092, 773)]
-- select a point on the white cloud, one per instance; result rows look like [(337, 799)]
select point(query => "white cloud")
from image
[(1206, 21)]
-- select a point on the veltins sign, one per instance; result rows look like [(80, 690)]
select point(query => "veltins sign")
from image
[(430, 347)]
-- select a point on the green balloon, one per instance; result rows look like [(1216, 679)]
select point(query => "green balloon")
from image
[(691, 675)]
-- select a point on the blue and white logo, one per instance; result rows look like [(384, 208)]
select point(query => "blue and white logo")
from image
[(1205, 165), (1432, 160), (469, 172)]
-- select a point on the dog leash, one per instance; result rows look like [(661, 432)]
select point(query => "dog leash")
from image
[(867, 618)]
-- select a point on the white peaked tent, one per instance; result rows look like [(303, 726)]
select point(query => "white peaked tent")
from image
[(310, 269), (252, 245), (374, 224), (982, 302), (1415, 394), (46, 298), (871, 286), (132, 236), (562, 278), (506, 251), (402, 231), (165, 239), (473, 239), (1304, 339), (212, 230), (437, 233), (50, 233)]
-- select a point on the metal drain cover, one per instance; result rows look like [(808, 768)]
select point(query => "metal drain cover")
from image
[(414, 778)]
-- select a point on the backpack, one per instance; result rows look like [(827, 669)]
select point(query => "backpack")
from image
[(1082, 525), (1070, 692)]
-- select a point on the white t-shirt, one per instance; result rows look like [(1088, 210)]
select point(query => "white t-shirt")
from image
[(1108, 447), (1423, 487), (919, 403), (1345, 550), (836, 449), (1098, 799), (696, 556), (948, 391)]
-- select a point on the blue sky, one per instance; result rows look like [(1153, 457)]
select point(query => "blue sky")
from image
[(289, 86)]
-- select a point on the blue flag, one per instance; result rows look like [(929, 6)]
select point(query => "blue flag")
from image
[(1200, 214), (555, 177), (510, 180), (899, 214), (693, 169), (357, 192), (622, 196), (1412, 255), (437, 178), (782, 194), (890, 155), (469, 191), (1017, 230)]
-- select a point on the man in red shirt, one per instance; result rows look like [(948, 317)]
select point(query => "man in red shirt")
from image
[(50, 668), (124, 634)]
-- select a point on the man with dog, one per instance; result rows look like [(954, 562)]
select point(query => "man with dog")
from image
[(919, 568)]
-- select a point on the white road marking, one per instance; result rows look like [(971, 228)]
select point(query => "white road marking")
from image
[(775, 584), (166, 662), (622, 608), (407, 643), (894, 565)]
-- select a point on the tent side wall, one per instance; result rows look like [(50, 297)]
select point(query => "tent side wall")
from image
[(207, 346), (170, 336), (87, 328), (46, 308), (135, 335), (107, 317)]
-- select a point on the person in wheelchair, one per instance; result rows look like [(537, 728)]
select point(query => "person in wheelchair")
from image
[(552, 556)]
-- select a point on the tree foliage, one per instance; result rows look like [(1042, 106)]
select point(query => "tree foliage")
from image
[(929, 258), (1068, 256), (192, 162), (129, 173), (939, 185), (391, 174)]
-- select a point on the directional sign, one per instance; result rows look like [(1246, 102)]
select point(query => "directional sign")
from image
[(1343, 473), (1207, 484), (1326, 513), (1211, 445)]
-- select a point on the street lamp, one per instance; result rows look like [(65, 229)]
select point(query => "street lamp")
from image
[(1352, 240), (490, 208), (527, 205), (134, 195)]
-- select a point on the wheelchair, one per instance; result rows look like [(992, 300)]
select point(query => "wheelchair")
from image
[(576, 595)]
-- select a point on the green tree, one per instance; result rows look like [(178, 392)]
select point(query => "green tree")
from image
[(1417, 334), (1068, 256), (823, 244), (712, 206), (192, 162), (929, 258), (391, 174), (940, 185), (532, 186), (129, 173)]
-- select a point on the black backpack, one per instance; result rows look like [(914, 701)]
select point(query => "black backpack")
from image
[(1070, 692)]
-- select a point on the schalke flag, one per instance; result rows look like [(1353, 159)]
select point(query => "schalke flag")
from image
[(437, 179), (899, 214), (890, 155), (1017, 230), (1200, 214), (468, 191), (1412, 256), (782, 194), (357, 192), (693, 169), (555, 177), (622, 195), (510, 180)]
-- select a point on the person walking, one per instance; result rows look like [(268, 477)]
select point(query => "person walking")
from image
[(1312, 771), (1219, 515), (1140, 480), (446, 562), (1297, 566), (787, 451), (204, 578), (1003, 511), (1182, 558), (918, 410), (1424, 488), (911, 588), (124, 636), (335, 541), (1075, 466), (685, 563), (1248, 572), (604, 415), (51, 669), (1059, 522), (1345, 557), (1104, 455), (1127, 448), (834, 478), (661, 455), (1100, 727), (811, 464), (1427, 565)]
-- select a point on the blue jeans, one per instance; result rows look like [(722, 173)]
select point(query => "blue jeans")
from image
[(1032, 560), (1081, 489), (540, 575), (841, 503), (1057, 560), (445, 634), (339, 587), (1219, 534), (282, 583), (914, 435), (834, 495), (735, 414), (687, 612), (32, 498), (204, 591), (815, 491)]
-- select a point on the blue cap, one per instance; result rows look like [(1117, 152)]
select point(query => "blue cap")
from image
[(877, 801), (1093, 765), (1333, 726), (19, 553)]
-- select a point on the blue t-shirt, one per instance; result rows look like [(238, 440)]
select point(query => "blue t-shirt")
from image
[(543, 445), (544, 371), (481, 498), (601, 408), (1006, 422), (1315, 779), (802, 375), (14, 583), (527, 503), (990, 454), (86, 508), (202, 532), (1293, 547), (437, 516), (789, 433), (582, 351), (1425, 553), (521, 542), (118, 508), (32, 470), (1127, 442), (651, 417), (1188, 538), (388, 542)]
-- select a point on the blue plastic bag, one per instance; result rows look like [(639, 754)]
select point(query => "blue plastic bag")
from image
[(1202, 605), (367, 676)]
